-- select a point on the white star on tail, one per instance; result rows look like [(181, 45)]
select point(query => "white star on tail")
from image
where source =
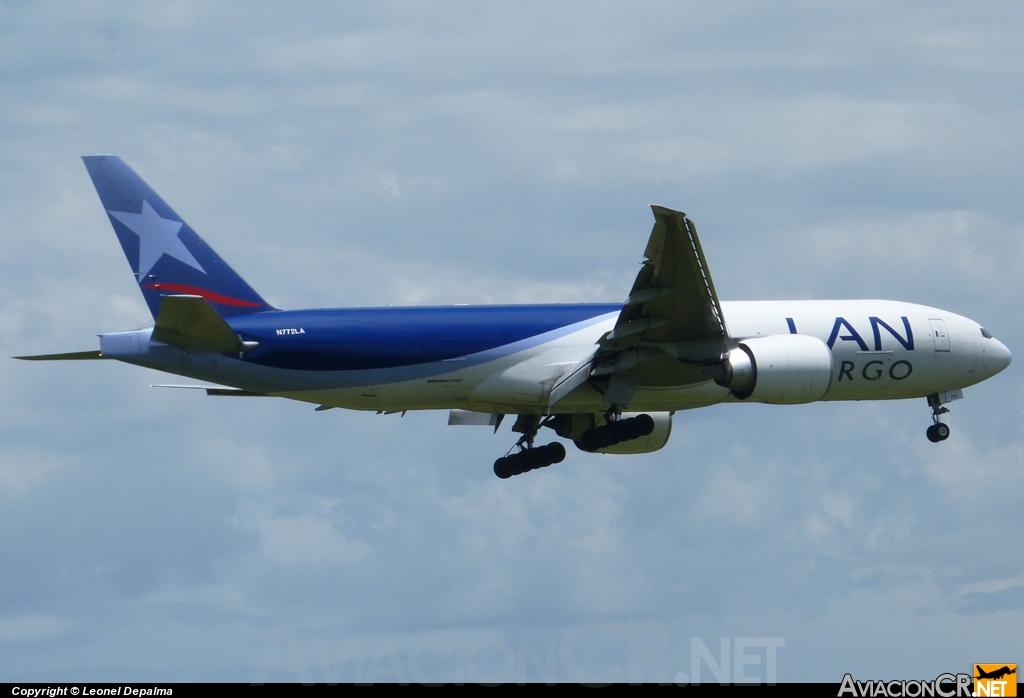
[(157, 237)]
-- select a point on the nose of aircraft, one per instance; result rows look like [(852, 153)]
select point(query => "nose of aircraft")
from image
[(1004, 355), (997, 356)]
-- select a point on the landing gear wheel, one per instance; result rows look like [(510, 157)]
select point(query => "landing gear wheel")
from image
[(616, 432), (501, 469), (938, 432), (556, 452), (529, 459)]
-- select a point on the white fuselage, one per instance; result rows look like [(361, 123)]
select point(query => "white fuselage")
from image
[(880, 350)]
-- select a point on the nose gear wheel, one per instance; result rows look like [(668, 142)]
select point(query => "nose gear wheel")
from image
[(938, 431)]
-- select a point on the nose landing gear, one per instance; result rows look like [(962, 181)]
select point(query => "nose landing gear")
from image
[(938, 431)]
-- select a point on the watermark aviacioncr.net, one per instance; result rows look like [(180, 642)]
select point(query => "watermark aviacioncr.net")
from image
[(637, 650)]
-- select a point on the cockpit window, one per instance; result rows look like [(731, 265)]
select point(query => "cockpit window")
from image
[(985, 333)]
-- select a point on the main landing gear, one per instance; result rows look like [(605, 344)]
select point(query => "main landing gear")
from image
[(616, 431), (529, 457), (939, 431)]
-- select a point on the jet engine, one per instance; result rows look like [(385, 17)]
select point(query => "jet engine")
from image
[(784, 369)]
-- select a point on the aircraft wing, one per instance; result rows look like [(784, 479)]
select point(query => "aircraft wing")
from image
[(671, 326), (673, 307)]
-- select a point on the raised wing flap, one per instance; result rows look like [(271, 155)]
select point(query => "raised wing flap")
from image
[(673, 304), (190, 322)]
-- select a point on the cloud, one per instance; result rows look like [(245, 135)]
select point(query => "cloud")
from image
[(32, 629)]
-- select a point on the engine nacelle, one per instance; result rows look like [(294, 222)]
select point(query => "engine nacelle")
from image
[(782, 369), (654, 441)]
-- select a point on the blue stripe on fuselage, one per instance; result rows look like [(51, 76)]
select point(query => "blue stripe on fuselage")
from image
[(353, 339)]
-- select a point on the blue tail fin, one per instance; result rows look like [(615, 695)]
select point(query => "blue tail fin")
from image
[(167, 256)]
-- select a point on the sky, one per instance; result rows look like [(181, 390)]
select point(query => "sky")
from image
[(342, 154)]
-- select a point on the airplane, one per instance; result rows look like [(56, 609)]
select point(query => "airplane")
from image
[(606, 376), (995, 674)]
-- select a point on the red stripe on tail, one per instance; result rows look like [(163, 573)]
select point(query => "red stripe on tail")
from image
[(208, 295)]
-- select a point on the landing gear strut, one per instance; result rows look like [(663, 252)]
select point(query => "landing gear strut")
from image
[(938, 431), (528, 457)]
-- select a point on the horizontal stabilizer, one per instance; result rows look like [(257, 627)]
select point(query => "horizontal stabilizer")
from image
[(71, 356), (217, 392), (190, 322), (233, 392)]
